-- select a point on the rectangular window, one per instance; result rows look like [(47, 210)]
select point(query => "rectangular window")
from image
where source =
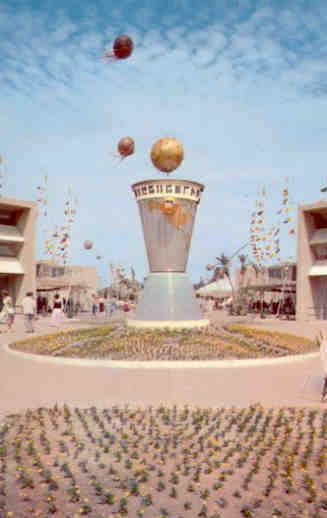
[(319, 219), (274, 273), (8, 250), (320, 251), (9, 217), (58, 272)]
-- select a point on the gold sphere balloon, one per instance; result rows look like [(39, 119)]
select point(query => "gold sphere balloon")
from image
[(167, 154)]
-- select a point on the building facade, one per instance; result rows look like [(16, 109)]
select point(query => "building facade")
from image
[(17, 247), (77, 282), (274, 278), (312, 262)]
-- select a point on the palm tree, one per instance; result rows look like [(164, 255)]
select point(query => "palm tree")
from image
[(243, 259), (224, 265)]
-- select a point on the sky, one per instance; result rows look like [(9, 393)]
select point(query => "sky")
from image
[(241, 83)]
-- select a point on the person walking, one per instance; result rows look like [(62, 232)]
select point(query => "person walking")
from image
[(113, 307), (323, 357), (57, 314), (107, 304), (94, 305), (29, 308), (101, 305), (8, 311)]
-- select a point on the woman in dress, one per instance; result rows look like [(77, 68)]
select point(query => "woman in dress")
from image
[(8, 311), (57, 314), (101, 305)]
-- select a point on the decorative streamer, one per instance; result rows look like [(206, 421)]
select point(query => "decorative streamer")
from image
[(264, 242), (257, 228), (42, 201), (58, 245)]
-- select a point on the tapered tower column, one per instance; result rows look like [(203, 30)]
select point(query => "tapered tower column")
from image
[(167, 209)]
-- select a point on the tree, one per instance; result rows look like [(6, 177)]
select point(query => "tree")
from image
[(244, 266), (224, 265)]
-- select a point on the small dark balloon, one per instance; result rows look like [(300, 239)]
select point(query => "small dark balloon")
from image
[(88, 245), (126, 147), (123, 47)]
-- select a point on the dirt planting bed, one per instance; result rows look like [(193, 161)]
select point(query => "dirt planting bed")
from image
[(158, 462)]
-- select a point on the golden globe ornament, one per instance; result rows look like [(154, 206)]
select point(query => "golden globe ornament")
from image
[(167, 154)]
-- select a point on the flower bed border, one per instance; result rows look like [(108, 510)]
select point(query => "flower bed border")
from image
[(163, 364)]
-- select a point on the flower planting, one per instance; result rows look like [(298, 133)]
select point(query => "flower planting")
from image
[(284, 341), (164, 461), (213, 343)]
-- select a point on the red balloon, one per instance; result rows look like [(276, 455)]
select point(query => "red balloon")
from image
[(123, 47), (126, 147)]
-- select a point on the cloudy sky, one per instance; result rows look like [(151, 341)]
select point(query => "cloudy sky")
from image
[(241, 83)]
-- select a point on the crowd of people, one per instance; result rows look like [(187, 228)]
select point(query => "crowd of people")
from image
[(108, 306), (7, 315), (284, 307), (59, 308)]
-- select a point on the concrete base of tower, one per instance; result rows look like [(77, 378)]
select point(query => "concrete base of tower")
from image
[(168, 301)]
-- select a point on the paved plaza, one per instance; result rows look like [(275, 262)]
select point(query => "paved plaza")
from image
[(28, 383)]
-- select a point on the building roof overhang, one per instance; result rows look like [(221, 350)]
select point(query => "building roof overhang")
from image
[(318, 270), (13, 204), (316, 206), (289, 286), (10, 265)]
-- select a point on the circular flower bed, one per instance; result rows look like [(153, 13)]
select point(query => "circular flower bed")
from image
[(164, 462), (213, 343)]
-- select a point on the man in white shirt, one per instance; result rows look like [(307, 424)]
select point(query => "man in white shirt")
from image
[(29, 308)]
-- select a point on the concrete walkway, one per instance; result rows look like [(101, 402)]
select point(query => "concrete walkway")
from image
[(26, 383)]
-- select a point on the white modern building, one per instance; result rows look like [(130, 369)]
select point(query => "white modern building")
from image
[(312, 262), (17, 247)]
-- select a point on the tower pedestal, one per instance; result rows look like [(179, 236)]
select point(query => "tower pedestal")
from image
[(167, 209), (168, 301)]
